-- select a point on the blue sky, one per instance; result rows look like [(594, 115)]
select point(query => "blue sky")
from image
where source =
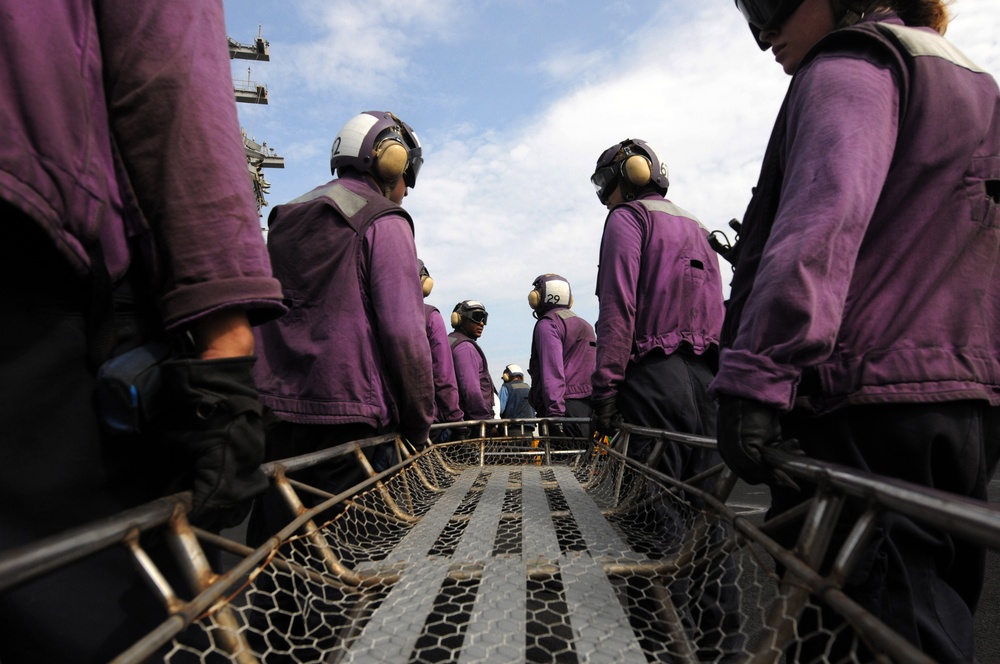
[(513, 102)]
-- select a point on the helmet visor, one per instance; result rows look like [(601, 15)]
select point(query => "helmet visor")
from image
[(413, 167), (604, 181)]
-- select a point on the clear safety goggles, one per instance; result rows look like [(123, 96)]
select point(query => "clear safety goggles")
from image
[(604, 181)]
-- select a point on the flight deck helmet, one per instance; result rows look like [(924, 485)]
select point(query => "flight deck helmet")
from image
[(468, 310), (634, 164), (378, 143), (549, 291)]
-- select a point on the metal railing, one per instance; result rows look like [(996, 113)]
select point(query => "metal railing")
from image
[(533, 440)]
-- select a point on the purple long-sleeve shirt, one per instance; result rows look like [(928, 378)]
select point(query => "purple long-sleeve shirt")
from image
[(659, 286), (353, 346), (446, 408), (878, 279), (152, 78), (472, 375), (563, 357)]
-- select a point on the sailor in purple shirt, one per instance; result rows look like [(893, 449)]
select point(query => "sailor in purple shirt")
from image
[(661, 309), (120, 142), (864, 321), (563, 354), (446, 408), (472, 373), (351, 358)]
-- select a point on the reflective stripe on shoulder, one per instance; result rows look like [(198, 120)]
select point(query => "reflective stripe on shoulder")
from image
[(348, 202), (565, 313), (669, 208), (920, 42)]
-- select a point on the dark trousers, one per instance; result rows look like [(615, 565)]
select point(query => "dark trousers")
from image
[(57, 469), (578, 408), (923, 583), (670, 392), (288, 439)]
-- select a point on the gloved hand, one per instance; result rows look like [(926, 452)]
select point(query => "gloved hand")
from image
[(605, 420), (746, 428), (214, 422)]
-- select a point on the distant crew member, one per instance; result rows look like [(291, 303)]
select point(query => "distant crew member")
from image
[(472, 373), (563, 354), (514, 402)]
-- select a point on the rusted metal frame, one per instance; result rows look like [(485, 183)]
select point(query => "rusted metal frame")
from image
[(792, 597), (31, 561), (387, 496), (311, 531), (421, 475), (304, 524), (620, 475), (973, 520), (436, 450), (864, 623), (185, 613), (200, 576)]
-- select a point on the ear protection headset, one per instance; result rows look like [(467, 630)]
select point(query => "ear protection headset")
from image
[(426, 283), (636, 168), (633, 164), (550, 290), (391, 157)]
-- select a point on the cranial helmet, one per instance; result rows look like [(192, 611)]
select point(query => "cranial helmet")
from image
[(426, 283), (766, 14), (511, 371), (632, 163), (378, 143), (549, 291), (468, 310)]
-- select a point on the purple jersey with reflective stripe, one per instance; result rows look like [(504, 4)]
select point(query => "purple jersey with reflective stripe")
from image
[(659, 286)]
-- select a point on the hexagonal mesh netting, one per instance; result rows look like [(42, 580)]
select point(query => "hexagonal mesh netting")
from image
[(488, 552)]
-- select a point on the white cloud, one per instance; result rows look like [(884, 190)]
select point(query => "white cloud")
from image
[(504, 194)]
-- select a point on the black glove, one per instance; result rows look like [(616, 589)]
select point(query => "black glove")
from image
[(213, 421), (605, 420), (746, 427)]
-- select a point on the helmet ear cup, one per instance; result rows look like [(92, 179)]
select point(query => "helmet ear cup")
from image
[(456, 319), (426, 285), (637, 169), (534, 298), (391, 158)]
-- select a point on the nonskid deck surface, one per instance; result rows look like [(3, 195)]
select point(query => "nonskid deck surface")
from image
[(448, 560)]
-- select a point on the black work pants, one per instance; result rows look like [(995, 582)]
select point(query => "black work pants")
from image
[(922, 582), (670, 392), (58, 470)]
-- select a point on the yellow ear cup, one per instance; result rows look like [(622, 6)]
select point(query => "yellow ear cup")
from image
[(534, 299), (637, 170), (391, 159), (427, 284), (456, 319)]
